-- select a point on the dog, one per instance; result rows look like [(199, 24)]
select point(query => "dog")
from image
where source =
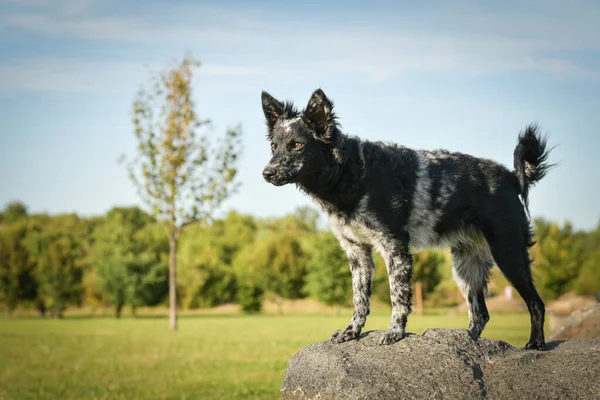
[(394, 199)]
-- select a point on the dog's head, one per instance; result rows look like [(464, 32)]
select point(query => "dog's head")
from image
[(301, 142)]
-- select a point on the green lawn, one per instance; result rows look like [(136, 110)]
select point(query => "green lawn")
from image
[(211, 357)]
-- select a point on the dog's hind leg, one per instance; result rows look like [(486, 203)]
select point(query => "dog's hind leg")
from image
[(362, 267), (470, 268), (510, 253)]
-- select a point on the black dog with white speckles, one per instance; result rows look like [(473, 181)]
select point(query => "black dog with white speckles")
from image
[(387, 197)]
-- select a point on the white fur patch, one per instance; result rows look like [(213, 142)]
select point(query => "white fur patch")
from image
[(424, 216), (363, 228), (287, 124), (470, 268)]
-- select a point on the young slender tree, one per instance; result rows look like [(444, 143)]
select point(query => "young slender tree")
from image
[(182, 175)]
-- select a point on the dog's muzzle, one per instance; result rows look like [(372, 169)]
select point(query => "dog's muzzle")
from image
[(274, 176)]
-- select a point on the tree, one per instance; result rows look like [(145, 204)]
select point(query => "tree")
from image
[(285, 266), (328, 278), (16, 267), (206, 256), (122, 262), (426, 275), (426, 270), (275, 264), (59, 247), (249, 270), (181, 176), (151, 271), (13, 212), (588, 281), (558, 256)]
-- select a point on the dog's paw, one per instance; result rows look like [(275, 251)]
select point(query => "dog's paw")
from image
[(344, 335), (474, 333), (391, 337), (535, 346)]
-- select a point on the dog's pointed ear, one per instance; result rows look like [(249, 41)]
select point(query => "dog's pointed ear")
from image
[(320, 112), (272, 108)]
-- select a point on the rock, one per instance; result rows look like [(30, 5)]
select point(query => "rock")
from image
[(568, 302), (583, 323), (443, 364), (559, 311)]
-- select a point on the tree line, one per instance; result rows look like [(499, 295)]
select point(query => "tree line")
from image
[(121, 259)]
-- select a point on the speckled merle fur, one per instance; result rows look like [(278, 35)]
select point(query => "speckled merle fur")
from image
[(395, 199)]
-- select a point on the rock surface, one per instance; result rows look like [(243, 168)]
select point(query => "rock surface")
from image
[(583, 323), (443, 364)]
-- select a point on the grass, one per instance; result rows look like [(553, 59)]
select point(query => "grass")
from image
[(210, 357)]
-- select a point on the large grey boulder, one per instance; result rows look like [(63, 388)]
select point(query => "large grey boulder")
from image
[(443, 364)]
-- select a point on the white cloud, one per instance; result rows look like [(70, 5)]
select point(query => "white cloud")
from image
[(466, 40), (65, 75)]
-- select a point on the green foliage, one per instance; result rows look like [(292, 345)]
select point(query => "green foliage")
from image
[(17, 282), (121, 259), (130, 253), (206, 255), (285, 266), (426, 269), (558, 256), (275, 264), (59, 246), (446, 294), (181, 175), (250, 296), (328, 279), (13, 212), (381, 285), (588, 281)]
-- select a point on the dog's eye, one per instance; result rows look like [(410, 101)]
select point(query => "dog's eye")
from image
[(298, 145), (273, 146)]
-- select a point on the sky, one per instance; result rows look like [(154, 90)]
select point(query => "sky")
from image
[(464, 76)]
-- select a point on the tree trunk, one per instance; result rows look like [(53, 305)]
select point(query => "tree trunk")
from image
[(118, 309), (173, 277)]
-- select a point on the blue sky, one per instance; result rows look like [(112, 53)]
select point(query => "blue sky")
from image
[(466, 76)]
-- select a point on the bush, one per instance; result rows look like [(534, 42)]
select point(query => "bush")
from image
[(250, 298)]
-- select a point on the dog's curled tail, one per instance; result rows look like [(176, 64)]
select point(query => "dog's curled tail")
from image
[(531, 155)]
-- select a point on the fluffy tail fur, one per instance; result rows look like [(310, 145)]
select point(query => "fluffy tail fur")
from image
[(531, 155)]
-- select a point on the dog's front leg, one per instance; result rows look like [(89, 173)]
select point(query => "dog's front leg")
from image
[(362, 267), (399, 267)]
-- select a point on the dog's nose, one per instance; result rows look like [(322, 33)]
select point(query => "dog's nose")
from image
[(268, 174)]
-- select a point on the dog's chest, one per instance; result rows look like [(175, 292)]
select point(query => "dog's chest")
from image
[(356, 230)]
